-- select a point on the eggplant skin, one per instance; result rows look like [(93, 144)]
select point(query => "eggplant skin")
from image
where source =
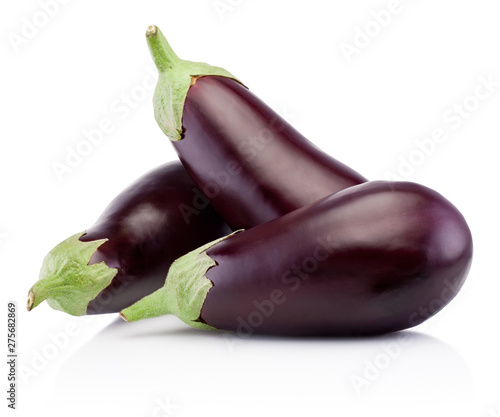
[(248, 161), (376, 258), (150, 224)]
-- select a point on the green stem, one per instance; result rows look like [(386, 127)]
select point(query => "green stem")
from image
[(175, 80), (184, 292), (67, 281), (153, 305), (163, 55), (43, 289)]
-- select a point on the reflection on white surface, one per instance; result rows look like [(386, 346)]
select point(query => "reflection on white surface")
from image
[(161, 367)]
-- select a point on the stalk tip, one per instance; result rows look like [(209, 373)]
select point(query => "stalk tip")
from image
[(31, 301), (124, 317), (152, 30)]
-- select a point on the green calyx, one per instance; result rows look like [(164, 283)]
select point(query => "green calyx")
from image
[(175, 78), (184, 292), (66, 281)]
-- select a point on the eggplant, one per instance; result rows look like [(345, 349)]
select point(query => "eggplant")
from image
[(375, 258), (126, 254), (247, 160)]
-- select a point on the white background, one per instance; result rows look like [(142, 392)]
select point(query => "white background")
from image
[(367, 110)]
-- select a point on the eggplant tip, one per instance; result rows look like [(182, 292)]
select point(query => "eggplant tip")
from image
[(151, 30), (31, 301), (123, 317)]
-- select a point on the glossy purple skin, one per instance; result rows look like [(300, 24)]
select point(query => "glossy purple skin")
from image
[(147, 231), (250, 163), (376, 258)]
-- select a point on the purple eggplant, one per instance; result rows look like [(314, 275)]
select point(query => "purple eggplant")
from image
[(375, 258), (248, 161), (126, 254)]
